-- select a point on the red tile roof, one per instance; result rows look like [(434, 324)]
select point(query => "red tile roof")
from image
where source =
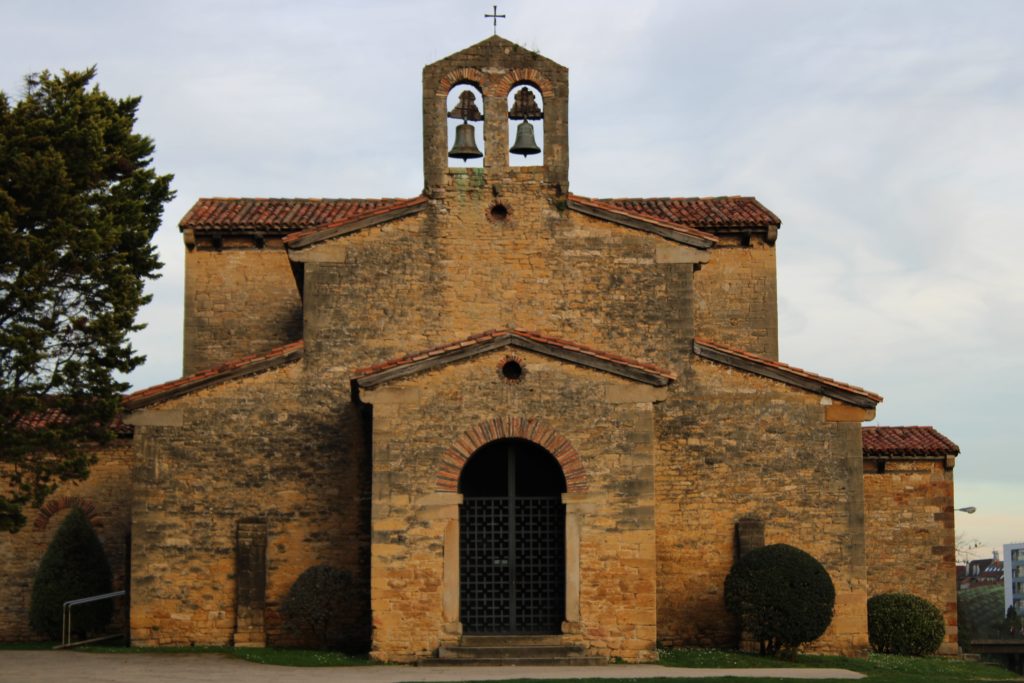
[(53, 416), (499, 337), (220, 214), (239, 367), (612, 211), (703, 213), (276, 215), (894, 442), (355, 222), (789, 374)]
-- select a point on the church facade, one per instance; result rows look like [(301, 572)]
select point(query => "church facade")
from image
[(506, 408)]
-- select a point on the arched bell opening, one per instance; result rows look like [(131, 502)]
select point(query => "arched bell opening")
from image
[(525, 125), (512, 540), (465, 105)]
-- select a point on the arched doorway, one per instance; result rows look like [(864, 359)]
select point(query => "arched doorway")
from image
[(512, 540)]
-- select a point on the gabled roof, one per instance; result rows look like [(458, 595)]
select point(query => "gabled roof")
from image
[(239, 367), (484, 342), (906, 442), (46, 417), (350, 224), (218, 214), (787, 374), (676, 232), (695, 216), (702, 213)]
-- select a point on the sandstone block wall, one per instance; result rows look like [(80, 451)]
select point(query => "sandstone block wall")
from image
[(610, 521), (259, 449), (106, 498), (735, 297), (451, 272), (239, 300), (734, 446), (910, 534)]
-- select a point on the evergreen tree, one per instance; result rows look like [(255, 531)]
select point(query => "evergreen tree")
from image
[(73, 567), (79, 205)]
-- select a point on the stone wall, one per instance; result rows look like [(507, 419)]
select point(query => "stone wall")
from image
[(608, 421), (451, 271), (239, 300), (734, 446), (910, 540), (262, 449), (105, 496), (735, 297)]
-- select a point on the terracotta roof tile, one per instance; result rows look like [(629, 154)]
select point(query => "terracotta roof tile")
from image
[(510, 333), (277, 215), (53, 416), (702, 213), (786, 370), (280, 215), (331, 226), (653, 218), (238, 367), (894, 442)]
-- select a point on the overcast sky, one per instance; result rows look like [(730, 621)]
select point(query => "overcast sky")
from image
[(888, 136)]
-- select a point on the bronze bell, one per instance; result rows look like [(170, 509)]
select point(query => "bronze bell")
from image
[(525, 144), (465, 143)]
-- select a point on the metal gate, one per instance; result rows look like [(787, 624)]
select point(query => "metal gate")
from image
[(512, 561)]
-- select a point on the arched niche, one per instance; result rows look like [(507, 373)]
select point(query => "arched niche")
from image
[(525, 103), (465, 105)]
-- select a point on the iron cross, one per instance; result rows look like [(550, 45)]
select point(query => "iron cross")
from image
[(495, 16)]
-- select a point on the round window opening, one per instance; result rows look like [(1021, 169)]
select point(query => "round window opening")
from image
[(499, 212), (512, 370)]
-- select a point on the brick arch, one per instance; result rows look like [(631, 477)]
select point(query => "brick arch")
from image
[(531, 429), (527, 76), (55, 505), (466, 74)]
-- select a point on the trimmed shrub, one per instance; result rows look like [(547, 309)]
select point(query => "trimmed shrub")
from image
[(904, 624), (782, 596), (320, 608), (73, 567)]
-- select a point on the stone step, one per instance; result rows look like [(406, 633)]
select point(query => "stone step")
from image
[(513, 661), (497, 651), (504, 650), (491, 641)]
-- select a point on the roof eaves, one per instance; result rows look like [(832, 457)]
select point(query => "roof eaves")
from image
[(241, 367), (306, 238), (675, 232), (491, 340), (787, 374), (915, 442)]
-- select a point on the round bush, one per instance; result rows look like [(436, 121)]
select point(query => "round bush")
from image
[(320, 607), (904, 624), (782, 596), (73, 567)]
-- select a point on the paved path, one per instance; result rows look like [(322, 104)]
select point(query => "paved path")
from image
[(41, 666)]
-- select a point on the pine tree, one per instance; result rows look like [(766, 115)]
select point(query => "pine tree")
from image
[(73, 567), (79, 205)]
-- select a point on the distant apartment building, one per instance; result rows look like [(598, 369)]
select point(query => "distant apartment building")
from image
[(977, 573), (1013, 576)]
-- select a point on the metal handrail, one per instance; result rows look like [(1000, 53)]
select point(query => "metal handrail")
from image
[(65, 627)]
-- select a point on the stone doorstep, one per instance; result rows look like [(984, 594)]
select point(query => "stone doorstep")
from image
[(512, 651)]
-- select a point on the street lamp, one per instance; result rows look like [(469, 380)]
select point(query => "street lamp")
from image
[(969, 510)]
